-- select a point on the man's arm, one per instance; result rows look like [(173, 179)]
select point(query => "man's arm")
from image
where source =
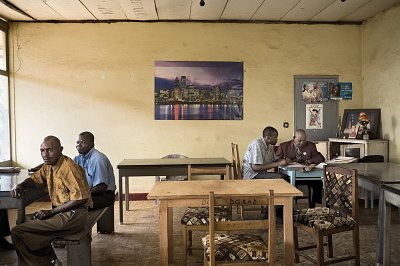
[(316, 156), (99, 188), (18, 190), (267, 166), (70, 205)]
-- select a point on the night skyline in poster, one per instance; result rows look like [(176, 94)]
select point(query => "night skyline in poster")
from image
[(198, 90)]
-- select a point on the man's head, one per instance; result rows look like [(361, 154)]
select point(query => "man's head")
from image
[(85, 142), (270, 135), (299, 138), (51, 150)]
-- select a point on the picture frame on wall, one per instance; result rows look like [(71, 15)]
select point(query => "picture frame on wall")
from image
[(365, 120)]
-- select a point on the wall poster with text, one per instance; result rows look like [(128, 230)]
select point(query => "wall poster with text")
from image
[(198, 90), (314, 116)]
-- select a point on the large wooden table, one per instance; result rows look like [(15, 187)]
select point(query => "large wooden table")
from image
[(159, 167), (195, 193), (7, 182)]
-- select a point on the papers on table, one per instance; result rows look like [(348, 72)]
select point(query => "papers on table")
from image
[(10, 169), (303, 167), (342, 159), (295, 165)]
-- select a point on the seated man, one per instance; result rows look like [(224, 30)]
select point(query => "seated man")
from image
[(70, 198), (260, 156), (99, 171), (4, 231), (302, 151)]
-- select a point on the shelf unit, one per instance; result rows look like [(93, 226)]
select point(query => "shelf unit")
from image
[(371, 147)]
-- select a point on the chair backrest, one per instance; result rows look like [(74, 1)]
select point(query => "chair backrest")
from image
[(241, 225), (341, 189), (372, 159), (207, 170), (172, 178), (236, 163)]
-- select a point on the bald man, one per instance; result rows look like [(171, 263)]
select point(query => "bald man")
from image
[(70, 198), (302, 151)]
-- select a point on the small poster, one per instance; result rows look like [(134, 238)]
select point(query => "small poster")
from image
[(315, 91), (314, 116), (341, 91)]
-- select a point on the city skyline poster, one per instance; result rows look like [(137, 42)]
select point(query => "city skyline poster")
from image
[(198, 90)]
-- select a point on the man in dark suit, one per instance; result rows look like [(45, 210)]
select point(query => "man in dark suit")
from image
[(302, 151)]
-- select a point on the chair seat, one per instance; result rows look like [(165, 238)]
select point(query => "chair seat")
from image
[(323, 218), (200, 216), (241, 247)]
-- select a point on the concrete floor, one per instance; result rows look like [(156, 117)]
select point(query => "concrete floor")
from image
[(136, 241)]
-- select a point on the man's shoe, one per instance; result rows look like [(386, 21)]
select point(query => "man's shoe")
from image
[(5, 245)]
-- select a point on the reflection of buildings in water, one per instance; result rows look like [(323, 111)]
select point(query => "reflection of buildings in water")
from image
[(198, 112)]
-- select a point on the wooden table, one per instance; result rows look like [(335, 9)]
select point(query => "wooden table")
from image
[(160, 167), (195, 193), (7, 182), (376, 177), (299, 174)]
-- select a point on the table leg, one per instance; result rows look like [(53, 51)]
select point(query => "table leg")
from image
[(163, 221), (386, 242), (292, 176), (383, 240), (228, 173), (21, 211), (170, 226), (288, 231), (127, 193), (121, 209)]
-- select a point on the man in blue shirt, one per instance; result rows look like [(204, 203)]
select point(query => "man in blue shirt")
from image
[(99, 171)]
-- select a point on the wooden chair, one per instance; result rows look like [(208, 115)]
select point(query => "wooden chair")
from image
[(196, 219), (246, 249), (236, 163), (339, 215), (238, 174), (202, 170)]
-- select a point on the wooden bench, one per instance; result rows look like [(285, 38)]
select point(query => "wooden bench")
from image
[(79, 244)]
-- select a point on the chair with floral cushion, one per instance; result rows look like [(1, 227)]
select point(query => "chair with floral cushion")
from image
[(340, 214), (196, 219), (241, 247)]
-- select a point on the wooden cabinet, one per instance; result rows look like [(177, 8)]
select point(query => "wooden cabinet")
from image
[(358, 148)]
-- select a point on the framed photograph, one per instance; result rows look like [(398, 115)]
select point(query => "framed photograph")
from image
[(367, 120)]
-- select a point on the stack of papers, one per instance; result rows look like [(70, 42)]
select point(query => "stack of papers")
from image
[(10, 169), (342, 159)]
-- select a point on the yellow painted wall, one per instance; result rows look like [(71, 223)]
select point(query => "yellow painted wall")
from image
[(68, 78), (381, 73)]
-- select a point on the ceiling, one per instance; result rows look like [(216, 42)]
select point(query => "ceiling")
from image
[(286, 11)]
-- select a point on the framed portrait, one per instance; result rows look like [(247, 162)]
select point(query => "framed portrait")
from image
[(364, 120)]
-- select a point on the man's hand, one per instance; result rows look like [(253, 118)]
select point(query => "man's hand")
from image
[(17, 191), (307, 162), (43, 214), (283, 162)]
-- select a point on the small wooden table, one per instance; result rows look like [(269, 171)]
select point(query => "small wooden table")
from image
[(298, 174), (195, 193), (160, 167), (7, 182)]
